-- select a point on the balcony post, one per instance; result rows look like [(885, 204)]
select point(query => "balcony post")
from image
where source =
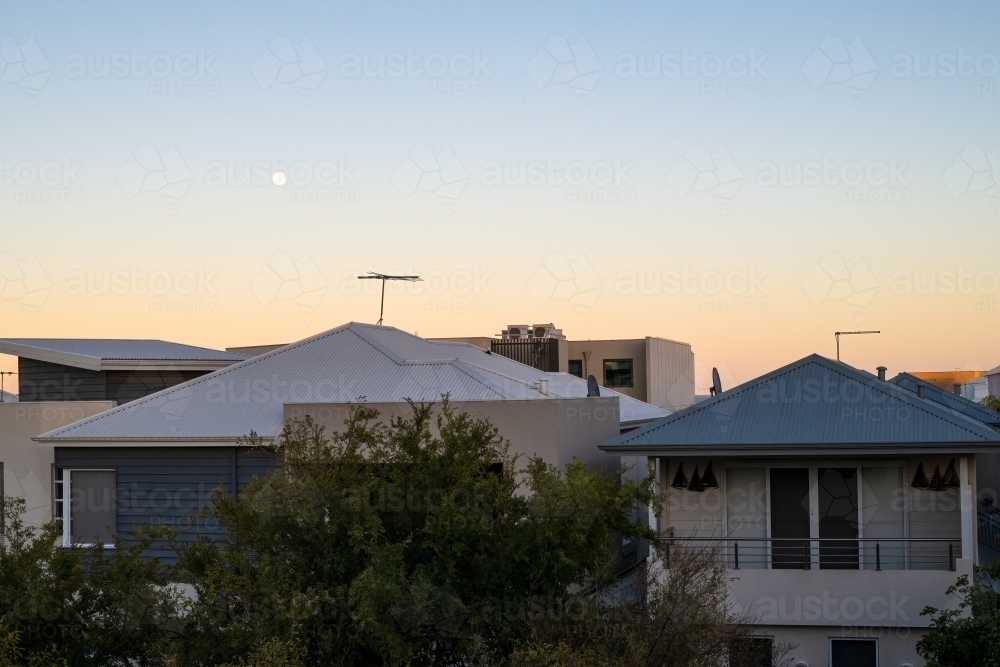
[(736, 553), (878, 558), (968, 509)]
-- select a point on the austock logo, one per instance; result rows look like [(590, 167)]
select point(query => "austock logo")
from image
[(23, 64), (149, 170), (284, 62), (558, 61), (712, 172), (23, 281), (834, 62)]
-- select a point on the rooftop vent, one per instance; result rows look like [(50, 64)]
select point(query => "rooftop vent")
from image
[(957, 388), (921, 391), (881, 373)]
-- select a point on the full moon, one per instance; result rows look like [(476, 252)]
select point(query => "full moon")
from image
[(279, 178)]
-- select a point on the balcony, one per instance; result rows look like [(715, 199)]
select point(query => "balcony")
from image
[(823, 554), (540, 353), (833, 582)]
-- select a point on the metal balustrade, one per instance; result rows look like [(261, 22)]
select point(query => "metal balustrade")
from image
[(822, 554)]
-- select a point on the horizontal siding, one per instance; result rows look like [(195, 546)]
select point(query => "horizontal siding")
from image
[(168, 486), (126, 386), (42, 381)]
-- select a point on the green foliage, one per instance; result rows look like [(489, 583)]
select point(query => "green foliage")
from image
[(970, 634), (80, 606), (991, 402), (420, 541)]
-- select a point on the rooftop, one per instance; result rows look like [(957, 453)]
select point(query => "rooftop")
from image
[(353, 361), (813, 406), (948, 398), (101, 354)]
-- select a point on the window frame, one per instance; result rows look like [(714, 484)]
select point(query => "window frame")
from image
[(65, 502), (631, 384), (852, 639), (574, 361)]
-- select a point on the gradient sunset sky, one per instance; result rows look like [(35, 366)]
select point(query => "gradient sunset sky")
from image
[(745, 177)]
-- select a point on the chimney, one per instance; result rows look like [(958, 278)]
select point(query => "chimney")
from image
[(921, 391), (543, 387), (957, 388), (881, 373)]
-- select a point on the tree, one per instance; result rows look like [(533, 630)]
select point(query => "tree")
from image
[(991, 402), (421, 541), (969, 635), (80, 606)]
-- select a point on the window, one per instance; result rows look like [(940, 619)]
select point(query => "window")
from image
[(617, 372), (87, 502), (853, 653), (576, 367), (751, 652)]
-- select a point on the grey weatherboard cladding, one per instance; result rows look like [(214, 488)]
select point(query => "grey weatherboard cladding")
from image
[(812, 401), (948, 399), (167, 485)]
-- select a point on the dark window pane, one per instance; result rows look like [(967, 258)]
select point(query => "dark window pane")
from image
[(618, 373), (838, 518), (853, 653), (789, 517), (576, 367), (92, 505)]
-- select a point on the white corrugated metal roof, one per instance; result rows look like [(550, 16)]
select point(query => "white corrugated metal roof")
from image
[(105, 354), (7, 397), (354, 361)]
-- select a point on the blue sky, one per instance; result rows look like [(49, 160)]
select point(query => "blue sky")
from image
[(905, 163)]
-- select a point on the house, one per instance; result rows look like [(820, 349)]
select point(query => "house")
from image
[(947, 379), (655, 370), (61, 381), (987, 464), (841, 504), (75, 369), (160, 457)]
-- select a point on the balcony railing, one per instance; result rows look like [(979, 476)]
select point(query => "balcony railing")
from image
[(822, 554), (540, 353), (989, 530)]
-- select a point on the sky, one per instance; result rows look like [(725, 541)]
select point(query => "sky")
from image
[(747, 178)]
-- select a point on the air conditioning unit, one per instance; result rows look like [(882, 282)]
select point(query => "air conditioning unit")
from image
[(546, 331), (517, 331)]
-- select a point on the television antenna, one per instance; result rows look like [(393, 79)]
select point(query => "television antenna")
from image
[(2, 373), (838, 334), (383, 277)]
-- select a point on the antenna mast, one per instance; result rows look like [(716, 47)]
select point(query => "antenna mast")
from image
[(383, 277)]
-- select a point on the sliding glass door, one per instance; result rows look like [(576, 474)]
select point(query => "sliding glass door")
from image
[(838, 518), (789, 518)]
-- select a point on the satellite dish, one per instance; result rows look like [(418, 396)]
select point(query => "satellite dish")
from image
[(716, 382), (593, 389)]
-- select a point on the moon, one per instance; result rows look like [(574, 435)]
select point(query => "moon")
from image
[(279, 178)]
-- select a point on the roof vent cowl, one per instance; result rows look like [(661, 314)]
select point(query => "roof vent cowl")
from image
[(881, 373), (921, 391)]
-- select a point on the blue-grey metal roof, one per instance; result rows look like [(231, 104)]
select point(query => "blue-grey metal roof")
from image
[(948, 398), (7, 397), (814, 401), (106, 354), (377, 363)]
